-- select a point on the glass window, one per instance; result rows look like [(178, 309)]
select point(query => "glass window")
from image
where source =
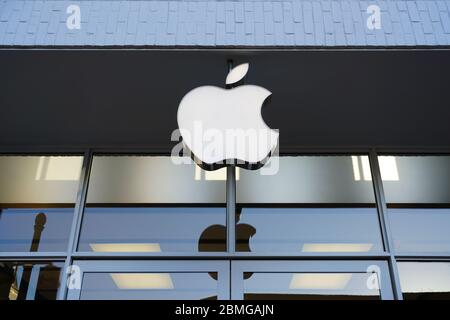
[(153, 230), (146, 179), (416, 179), (311, 286), (425, 280), (149, 204), (37, 198), (308, 230), (417, 190), (26, 281), (309, 179), (151, 286), (420, 230), (328, 205)]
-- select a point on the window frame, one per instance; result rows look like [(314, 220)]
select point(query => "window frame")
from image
[(88, 153)]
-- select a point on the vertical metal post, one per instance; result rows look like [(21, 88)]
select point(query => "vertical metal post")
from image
[(231, 208), (384, 223), (76, 223), (231, 200)]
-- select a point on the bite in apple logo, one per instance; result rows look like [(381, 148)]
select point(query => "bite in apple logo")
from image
[(225, 126)]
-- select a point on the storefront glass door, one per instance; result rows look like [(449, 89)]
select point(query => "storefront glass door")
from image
[(310, 280), (249, 280), (152, 280)]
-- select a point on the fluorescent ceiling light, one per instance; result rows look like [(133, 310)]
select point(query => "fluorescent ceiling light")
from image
[(142, 281), (337, 247), (59, 168), (330, 281), (361, 167), (125, 247), (388, 168)]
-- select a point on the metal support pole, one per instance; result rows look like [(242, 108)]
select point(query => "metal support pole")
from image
[(231, 199), (231, 208), (384, 223), (76, 223)]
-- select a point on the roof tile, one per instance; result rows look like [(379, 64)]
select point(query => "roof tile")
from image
[(239, 12), (229, 21), (337, 12), (418, 32), (297, 11), (258, 10), (339, 34), (277, 12), (200, 22), (445, 21), (386, 22), (441, 5), (393, 11), (433, 10), (426, 22), (268, 22), (413, 11), (319, 33), (348, 22), (422, 5), (328, 23), (299, 34), (220, 12)]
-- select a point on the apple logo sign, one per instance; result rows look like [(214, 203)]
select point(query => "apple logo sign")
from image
[(225, 126), (214, 239)]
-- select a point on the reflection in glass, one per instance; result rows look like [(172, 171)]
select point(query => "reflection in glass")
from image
[(35, 179), (420, 230), (24, 281), (150, 179), (425, 280), (310, 179), (312, 286), (301, 230), (153, 230), (419, 179), (151, 286), (37, 198), (45, 229)]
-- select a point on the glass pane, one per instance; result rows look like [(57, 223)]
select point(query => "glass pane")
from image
[(35, 179), (140, 229), (420, 230), (37, 198), (144, 179), (306, 230), (310, 179), (311, 286), (151, 286), (122, 197), (425, 280), (416, 179), (24, 281), (45, 229)]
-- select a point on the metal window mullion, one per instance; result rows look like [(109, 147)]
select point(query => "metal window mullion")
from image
[(231, 209), (76, 222), (384, 223)]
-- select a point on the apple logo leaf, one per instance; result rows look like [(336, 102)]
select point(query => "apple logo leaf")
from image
[(237, 74)]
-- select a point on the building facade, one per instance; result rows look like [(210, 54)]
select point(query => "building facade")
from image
[(96, 202)]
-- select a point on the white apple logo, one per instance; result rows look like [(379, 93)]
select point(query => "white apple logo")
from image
[(225, 126)]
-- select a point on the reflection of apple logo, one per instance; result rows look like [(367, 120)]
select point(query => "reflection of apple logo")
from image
[(214, 239), (225, 125)]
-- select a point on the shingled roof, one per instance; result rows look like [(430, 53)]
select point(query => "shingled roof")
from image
[(225, 23)]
